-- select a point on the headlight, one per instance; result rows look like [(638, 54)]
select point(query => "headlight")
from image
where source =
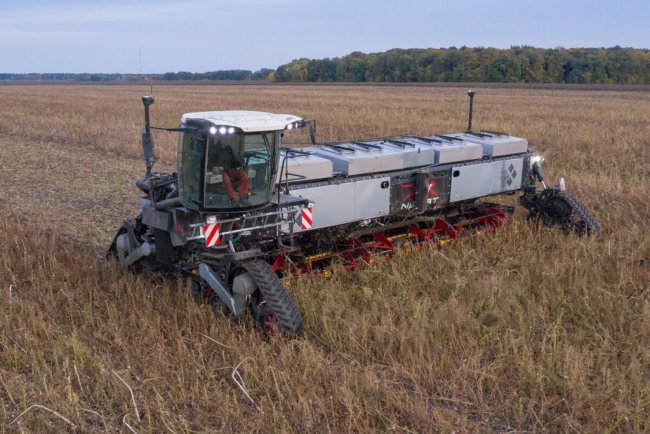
[(222, 130), (536, 159), (296, 124)]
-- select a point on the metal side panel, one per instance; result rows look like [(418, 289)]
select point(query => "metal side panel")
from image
[(456, 152), (333, 203), (418, 155), (483, 179), (372, 198), (156, 219), (496, 145), (304, 167), (336, 204), (360, 162)]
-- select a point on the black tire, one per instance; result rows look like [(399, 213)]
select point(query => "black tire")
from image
[(146, 266), (273, 310), (561, 209), (111, 253)]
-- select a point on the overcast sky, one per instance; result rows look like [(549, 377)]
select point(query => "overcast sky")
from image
[(208, 35)]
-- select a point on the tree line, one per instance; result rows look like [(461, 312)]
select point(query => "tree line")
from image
[(222, 75), (515, 65), (524, 64)]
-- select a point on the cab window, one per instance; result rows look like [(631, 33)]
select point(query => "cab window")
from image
[(239, 169)]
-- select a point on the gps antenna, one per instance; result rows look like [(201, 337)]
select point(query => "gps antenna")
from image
[(471, 94)]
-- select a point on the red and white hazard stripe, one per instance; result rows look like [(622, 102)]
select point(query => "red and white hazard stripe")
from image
[(306, 218), (211, 235)]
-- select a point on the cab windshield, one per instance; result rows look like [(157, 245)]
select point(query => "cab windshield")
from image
[(239, 169)]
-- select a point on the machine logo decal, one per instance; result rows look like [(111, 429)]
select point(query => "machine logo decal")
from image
[(212, 237), (431, 189), (306, 218), (410, 190), (512, 174)]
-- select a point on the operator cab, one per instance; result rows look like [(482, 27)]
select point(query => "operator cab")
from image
[(228, 160)]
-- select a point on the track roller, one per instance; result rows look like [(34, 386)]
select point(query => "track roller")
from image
[(273, 309), (562, 210)]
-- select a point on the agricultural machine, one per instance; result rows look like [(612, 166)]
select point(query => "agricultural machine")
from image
[(240, 210)]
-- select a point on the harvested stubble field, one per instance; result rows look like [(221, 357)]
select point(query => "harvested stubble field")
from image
[(527, 329)]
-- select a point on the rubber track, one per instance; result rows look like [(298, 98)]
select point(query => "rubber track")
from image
[(592, 227), (278, 301)]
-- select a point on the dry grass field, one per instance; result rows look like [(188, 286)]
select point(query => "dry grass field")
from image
[(523, 330)]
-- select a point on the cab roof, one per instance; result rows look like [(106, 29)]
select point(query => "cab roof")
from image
[(247, 121)]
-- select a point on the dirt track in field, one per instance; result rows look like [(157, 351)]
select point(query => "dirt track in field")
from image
[(80, 193)]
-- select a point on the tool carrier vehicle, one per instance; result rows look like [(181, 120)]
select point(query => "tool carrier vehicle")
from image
[(240, 210)]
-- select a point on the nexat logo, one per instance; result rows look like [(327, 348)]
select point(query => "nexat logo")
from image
[(409, 191), (432, 194)]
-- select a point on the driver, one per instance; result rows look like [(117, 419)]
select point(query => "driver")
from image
[(234, 169)]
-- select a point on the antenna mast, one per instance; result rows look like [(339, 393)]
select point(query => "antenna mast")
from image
[(471, 94), (147, 137)]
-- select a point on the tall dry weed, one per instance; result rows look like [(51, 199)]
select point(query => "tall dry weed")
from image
[(526, 329)]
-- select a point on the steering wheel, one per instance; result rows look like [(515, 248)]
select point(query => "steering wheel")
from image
[(262, 156)]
